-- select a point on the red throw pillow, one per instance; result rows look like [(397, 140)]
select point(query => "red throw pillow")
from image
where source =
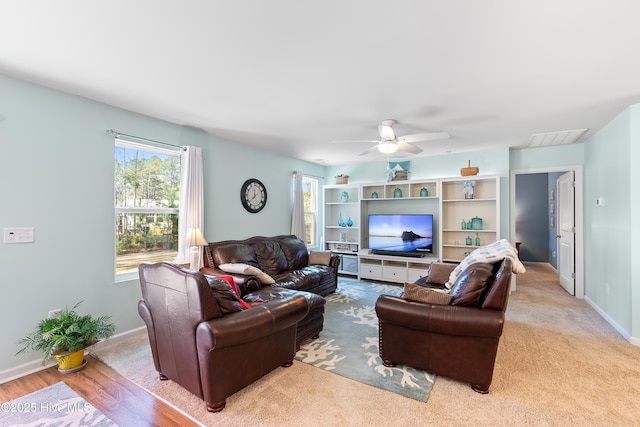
[(230, 280)]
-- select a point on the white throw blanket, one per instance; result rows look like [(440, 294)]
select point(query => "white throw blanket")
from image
[(490, 253)]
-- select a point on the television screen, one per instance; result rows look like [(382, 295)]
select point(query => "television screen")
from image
[(401, 232)]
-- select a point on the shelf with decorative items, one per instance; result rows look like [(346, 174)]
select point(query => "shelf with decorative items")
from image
[(341, 218), (400, 190), (470, 215)]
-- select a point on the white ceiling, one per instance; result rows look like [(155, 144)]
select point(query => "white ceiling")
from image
[(293, 75)]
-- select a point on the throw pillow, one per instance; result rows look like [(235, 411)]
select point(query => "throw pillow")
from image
[(225, 296), (425, 295), (471, 284), (249, 270), (229, 279), (439, 272), (322, 258)]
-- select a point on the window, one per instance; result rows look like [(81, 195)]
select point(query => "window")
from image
[(147, 201), (310, 193)]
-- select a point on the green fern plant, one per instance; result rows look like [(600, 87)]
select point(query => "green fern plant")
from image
[(66, 331)]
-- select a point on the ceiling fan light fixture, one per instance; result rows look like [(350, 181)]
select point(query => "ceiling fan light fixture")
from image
[(388, 147)]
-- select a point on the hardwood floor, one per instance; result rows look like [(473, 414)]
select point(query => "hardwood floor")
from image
[(118, 398)]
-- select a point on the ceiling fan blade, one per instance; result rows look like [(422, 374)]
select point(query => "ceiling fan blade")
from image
[(409, 148), (374, 148), (428, 136)]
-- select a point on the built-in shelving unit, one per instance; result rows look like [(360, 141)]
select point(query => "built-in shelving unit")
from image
[(342, 224), (445, 198), (455, 209)]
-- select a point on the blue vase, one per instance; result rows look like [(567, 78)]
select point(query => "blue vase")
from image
[(424, 192), (397, 193), (341, 222), (344, 197), (349, 222)]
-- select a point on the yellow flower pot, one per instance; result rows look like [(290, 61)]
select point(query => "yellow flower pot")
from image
[(70, 361)]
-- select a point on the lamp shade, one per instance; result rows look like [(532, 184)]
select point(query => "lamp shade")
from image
[(195, 237)]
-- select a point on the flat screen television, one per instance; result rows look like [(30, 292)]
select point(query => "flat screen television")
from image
[(401, 234)]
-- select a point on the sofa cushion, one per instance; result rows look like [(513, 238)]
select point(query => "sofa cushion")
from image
[(225, 296), (439, 272), (320, 258), (270, 257), (413, 292), (295, 250), (471, 284), (235, 253), (248, 270)]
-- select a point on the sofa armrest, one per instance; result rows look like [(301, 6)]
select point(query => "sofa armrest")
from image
[(442, 319), (252, 324), (334, 263)]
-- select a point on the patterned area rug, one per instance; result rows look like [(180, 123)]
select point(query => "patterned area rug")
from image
[(348, 344), (56, 405)]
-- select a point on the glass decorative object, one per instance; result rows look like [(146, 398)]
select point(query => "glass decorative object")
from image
[(469, 242), (424, 192), (374, 195), (477, 239), (463, 226), (397, 193), (341, 222), (349, 222), (344, 197)]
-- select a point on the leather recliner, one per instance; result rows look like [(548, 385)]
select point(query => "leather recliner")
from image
[(455, 341), (211, 354)]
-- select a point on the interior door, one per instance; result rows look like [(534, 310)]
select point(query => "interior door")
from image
[(566, 231)]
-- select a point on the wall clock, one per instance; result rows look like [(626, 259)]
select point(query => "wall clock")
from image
[(253, 195)]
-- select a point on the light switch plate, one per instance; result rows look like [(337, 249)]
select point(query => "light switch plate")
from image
[(18, 235)]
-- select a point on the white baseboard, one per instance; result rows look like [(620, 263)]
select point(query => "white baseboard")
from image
[(37, 365), (626, 335)]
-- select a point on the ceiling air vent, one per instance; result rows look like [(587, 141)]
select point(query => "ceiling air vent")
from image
[(556, 138)]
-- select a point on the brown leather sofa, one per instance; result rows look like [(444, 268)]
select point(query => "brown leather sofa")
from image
[(457, 340), (199, 344), (284, 258), (286, 261)]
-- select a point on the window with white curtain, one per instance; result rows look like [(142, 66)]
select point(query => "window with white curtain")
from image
[(147, 205), (310, 194)]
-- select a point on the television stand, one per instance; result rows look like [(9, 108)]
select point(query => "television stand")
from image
[(393, 268), (400, 254)]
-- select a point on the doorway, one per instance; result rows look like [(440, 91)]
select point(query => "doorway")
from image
[(543, 212)]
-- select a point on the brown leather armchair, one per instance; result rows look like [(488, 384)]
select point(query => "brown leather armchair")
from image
[(211, 354), (456, 341)]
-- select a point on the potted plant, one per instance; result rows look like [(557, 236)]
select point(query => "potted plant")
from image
[(65, 335)]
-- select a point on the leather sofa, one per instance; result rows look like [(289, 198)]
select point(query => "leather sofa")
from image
[(457, 339), (280, 266), (284, 258), (202, 341)]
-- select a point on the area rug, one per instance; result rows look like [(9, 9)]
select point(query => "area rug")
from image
[(56, 405), (348, 344)]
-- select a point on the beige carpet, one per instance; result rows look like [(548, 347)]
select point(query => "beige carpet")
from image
[(559, 363)]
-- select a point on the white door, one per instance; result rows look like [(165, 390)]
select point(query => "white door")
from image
[(566, 232)]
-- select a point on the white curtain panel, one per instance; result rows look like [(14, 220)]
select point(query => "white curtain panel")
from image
[(297, 219), (192, 203)]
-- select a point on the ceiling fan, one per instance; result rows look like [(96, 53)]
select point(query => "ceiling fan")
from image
[(389, 142)]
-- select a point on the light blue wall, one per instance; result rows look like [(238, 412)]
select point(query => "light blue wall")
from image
[(608, 246), (56, 175)]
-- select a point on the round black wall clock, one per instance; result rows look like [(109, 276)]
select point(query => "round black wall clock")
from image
[(253, 195)]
